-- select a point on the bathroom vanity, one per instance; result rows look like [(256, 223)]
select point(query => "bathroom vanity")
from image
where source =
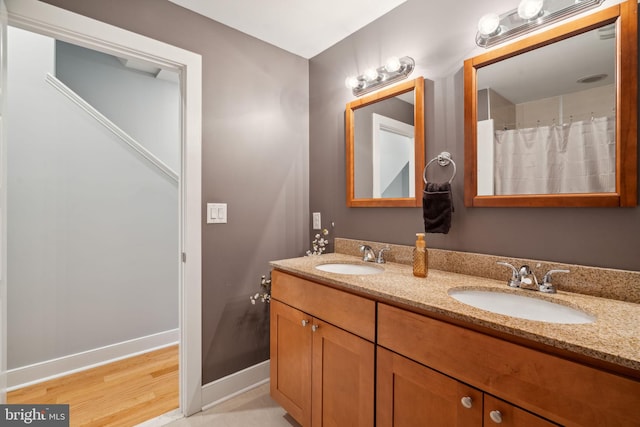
[(322, 342), (390, 347)]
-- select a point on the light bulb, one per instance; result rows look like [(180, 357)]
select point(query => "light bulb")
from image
[(529, 9), (489, 24), (393, 64), (351, 82), (371, 74)]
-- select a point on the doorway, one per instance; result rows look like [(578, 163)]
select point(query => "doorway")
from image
[(92, 207), (51, 21)]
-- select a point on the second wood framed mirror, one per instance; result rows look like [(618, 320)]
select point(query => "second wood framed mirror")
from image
[(551, 120), (384, 142)]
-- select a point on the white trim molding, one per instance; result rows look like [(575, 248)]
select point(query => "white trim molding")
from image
[(109, 125), (55, 368), (232, 385), (43, 18)]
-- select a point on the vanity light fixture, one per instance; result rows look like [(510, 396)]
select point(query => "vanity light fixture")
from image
[(528, 16), (530, 9), (489, 25), (393, 70)]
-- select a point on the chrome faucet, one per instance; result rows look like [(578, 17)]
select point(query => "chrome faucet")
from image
[(526, 282), (526, 279), (369, 255)]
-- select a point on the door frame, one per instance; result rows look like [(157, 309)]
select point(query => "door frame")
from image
[(388, 124), (70, 27)]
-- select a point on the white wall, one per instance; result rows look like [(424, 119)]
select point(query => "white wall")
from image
[(92, 227), (485, 155)]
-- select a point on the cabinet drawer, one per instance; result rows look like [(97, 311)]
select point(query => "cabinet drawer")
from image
[(346, 311), (558, 389)]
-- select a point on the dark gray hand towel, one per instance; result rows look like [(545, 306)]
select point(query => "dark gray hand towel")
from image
[(437, 206)]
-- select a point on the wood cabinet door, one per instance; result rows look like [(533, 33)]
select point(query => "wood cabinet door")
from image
[(290, 347), (342, 378), (528, 378), (412, 395), (509, 415)]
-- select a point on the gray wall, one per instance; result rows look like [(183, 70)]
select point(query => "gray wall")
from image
[(599, 237), (256, 124), (255, 158)]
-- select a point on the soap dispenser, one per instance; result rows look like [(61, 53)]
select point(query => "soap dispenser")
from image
[(420, 262)]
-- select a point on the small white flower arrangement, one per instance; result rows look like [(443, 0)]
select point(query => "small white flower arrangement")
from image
[(319, 244), (265, 295)]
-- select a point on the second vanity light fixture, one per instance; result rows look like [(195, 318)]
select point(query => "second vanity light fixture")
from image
[(373, 79), (530, 15)]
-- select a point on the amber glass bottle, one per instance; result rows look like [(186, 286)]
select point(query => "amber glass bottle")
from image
[(420, 262)]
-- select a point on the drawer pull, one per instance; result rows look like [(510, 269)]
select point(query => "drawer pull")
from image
[(305, 323), (496, 417), (467, 402), (315, 327)]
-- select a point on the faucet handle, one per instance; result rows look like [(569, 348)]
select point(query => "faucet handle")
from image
[(547, 276), (381, 259), (546, 285), (514, 282)]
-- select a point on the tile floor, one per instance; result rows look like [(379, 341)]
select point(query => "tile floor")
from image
[(252, 408)]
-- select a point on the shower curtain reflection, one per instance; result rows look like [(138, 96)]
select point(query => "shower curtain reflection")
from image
[(578, 157)]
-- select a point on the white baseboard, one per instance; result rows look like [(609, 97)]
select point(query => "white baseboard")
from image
[(43, 371), (225, 388)]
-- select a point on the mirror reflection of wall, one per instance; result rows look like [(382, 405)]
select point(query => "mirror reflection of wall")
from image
[(393, 158), (546, 119), (384, 149)]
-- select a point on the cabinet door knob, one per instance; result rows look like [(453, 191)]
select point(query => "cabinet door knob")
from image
[(496, 416), (467, 402), (305, 323), (315, 327)]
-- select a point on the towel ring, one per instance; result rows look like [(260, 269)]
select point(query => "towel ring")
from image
[(444, 159)]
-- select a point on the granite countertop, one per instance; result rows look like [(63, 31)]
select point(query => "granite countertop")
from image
[(614, 337)]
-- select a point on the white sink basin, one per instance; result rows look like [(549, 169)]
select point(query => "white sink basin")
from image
[(344, 268), (521, 306)]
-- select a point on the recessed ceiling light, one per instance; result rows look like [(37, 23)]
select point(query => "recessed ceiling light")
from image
[(592, 79)]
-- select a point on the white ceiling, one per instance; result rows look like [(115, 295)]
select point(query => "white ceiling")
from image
[(559, 65), (302, 27)]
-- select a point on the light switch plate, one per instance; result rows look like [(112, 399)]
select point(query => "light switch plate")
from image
[(317, 221), (216, 213)]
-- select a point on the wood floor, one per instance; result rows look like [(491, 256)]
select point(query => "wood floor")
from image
[(123, 393)]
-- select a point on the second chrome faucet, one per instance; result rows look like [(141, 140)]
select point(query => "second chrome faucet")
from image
[(526, 279), (369, 255)]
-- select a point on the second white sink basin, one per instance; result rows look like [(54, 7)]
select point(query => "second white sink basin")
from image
[(521, 306), (345, 268)]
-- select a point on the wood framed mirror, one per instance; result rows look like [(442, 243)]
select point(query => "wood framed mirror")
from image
[(532, 137), (385, 147)]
